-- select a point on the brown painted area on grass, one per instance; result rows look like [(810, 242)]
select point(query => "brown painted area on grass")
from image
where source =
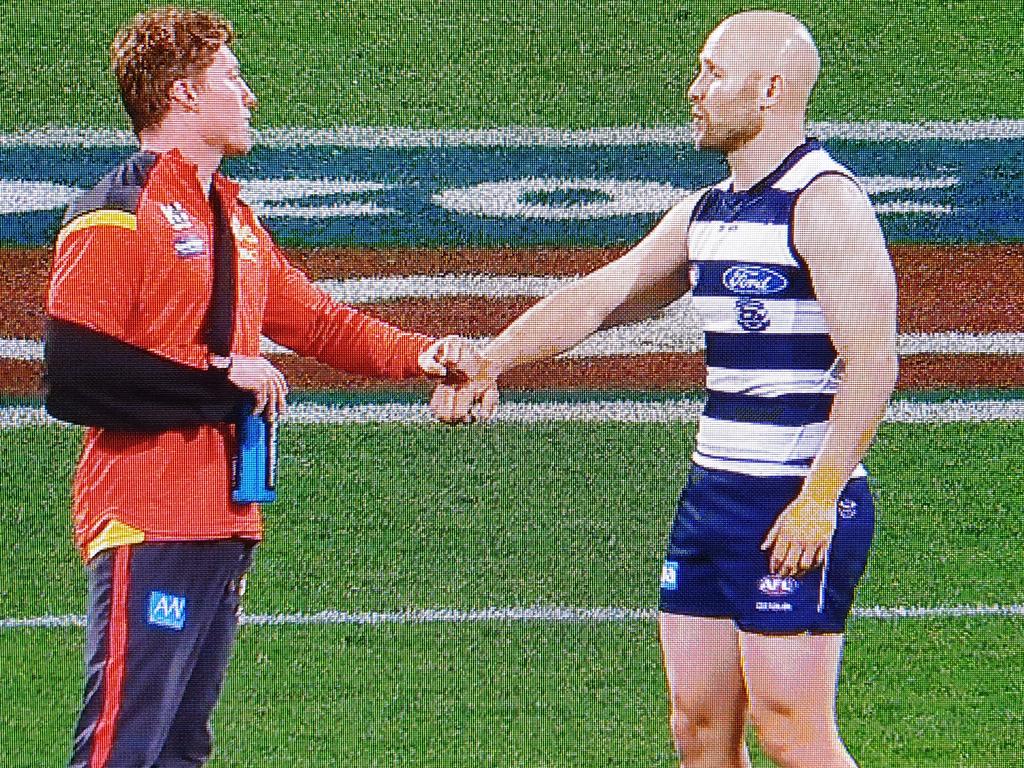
[(323, 263), (965, 288), (942, 288), (20, 377), (465, 315)]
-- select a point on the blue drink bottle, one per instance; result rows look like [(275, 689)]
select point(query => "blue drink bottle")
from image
[(255, 475)]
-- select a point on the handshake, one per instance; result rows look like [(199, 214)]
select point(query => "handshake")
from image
[(468, 388)]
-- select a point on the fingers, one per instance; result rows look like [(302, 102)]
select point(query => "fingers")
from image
[(273, 388), (489, 402), (429, 362), (805, 559), (791, 557), (277, 403), (444, 356), (464, 403), (451, 405), (442, 404), (455, 358), (262, 398), (778, 563), (459, 358), (266, 383)]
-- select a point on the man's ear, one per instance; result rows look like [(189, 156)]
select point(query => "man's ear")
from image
[(773, 93), (183, 93)]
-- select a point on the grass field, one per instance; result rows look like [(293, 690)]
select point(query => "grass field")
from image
[(507, 516), (467, 63), (393, 518)]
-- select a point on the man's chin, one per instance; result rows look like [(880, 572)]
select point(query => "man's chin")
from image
[(709, 142), (705, 143), (239, 147)]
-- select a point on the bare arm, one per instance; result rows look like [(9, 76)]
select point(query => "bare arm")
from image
[(633, 287), (836, 232)]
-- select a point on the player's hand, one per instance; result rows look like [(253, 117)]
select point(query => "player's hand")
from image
[(801, 536), (470, 401), (259, 376), (452, 358)]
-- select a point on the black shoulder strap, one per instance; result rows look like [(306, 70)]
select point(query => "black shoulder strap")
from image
[(220, 317)]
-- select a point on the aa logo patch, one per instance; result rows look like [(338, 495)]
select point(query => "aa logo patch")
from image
[(166, 610)]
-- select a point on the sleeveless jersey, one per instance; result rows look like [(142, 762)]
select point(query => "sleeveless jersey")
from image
[(772, 367)]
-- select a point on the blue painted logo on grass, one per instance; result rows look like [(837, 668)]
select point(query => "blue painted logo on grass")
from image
[(166, 610), (929, 190)]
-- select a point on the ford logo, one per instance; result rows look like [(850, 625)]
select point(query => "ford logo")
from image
[(754, 280)]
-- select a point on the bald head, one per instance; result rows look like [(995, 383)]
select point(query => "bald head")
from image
[(771, 46)]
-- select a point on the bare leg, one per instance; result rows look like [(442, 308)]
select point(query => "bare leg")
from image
[(791, 683), (708, 699)]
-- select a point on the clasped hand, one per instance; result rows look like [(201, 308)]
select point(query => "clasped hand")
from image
[(468, 389), (260, 377)]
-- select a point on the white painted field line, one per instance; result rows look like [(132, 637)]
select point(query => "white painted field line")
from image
[(365, 290), (667, 335), (541, 614), (21, 349), (513, 136), (611, 411)]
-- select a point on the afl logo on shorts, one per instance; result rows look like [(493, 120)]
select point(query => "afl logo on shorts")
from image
[(752, 315), (694, 275), (777, 586)]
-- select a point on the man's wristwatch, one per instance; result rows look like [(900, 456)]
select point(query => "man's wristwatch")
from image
[(219, 362)]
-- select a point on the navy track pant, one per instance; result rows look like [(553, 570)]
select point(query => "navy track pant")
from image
[(161, 625)]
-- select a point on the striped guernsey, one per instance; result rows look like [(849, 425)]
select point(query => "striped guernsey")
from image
[(772, 367)]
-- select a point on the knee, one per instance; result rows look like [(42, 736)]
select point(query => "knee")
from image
[(794, 742), (699, 732), (689, 730)]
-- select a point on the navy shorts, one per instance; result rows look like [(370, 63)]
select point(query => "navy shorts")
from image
[(160, 630), (715, 566)]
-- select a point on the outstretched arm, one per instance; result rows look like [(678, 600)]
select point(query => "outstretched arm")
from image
[(634, 286), (836, 232)]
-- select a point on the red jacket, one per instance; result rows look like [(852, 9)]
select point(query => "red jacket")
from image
[(134, 261)]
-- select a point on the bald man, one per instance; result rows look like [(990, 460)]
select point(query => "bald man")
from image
[(793, 283)]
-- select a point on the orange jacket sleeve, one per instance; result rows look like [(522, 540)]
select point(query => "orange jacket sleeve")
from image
[(304, 318)]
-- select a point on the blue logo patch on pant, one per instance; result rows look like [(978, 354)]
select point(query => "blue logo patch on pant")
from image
[(166, 610), (670, 575)]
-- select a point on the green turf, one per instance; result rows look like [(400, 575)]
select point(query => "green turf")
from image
[(461, 63), (508, 515), (392, 517), (914, 694)]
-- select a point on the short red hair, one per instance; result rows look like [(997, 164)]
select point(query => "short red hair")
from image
[(158, 47)]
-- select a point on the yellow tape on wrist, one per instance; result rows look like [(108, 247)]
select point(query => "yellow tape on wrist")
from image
[(825, 484)]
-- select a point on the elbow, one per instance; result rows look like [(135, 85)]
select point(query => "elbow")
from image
[(887, 370), (878, 370), (893, 370)]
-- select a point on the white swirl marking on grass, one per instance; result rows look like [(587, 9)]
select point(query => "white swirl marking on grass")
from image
[(19, 196)]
